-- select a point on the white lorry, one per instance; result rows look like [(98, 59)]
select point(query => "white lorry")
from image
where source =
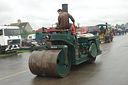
[(10, 38)]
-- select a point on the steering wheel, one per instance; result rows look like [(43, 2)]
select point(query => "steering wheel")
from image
[(73, 29)]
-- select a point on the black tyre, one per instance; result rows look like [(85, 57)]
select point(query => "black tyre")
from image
[(111, 38), (107, 39)]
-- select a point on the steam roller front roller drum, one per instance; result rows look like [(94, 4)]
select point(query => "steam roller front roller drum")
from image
[(49, 63)]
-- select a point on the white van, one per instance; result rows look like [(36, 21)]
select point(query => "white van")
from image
[(31, 36), (10, 38)]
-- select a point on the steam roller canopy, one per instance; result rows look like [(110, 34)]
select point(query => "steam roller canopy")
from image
[(49, 63)]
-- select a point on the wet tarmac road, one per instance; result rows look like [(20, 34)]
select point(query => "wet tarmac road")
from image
[(110, 68)]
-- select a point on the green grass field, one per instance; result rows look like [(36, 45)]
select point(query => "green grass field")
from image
[(9, 54)]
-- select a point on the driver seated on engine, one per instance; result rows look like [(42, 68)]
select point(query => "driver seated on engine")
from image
[(63, 19)]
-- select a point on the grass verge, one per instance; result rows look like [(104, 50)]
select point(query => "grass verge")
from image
[(9, 54)]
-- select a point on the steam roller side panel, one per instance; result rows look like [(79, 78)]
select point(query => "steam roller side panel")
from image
[(49, 63)]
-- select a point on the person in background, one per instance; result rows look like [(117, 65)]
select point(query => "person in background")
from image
[(63, 19), (102, 30), (113, 31), (125, 31)]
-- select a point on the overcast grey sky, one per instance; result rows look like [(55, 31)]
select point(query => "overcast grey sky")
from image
[(44, 12)]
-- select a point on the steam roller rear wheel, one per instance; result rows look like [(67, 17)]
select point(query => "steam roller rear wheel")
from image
[(92, 52), (49, 63)]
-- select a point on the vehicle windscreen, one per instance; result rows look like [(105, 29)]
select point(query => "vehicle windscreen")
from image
[(11, 32), (1, 32)]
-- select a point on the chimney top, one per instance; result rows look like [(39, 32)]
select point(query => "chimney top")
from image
[(19, 21)]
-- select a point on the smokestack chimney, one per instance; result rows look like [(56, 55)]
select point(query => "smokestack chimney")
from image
[(65, 7)]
